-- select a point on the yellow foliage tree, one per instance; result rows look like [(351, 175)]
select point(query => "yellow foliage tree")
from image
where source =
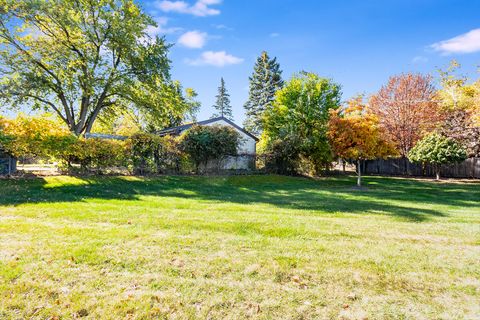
[(355, 134)]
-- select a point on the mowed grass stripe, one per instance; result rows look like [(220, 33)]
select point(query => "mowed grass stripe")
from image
[(258, 247)]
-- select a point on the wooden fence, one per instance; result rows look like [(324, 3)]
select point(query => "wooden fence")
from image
[(469, 168)]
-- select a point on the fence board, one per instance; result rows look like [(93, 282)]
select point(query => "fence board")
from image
[(7, 166), (469, 168)]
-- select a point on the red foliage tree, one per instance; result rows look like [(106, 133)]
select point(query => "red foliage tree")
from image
[(406, 109)]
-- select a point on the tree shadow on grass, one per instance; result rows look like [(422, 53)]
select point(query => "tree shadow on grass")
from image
[(409, 200)]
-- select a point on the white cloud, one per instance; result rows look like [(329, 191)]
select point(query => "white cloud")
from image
[(161, 28), (193, 39), (221, 27), (465, 43), (215, 58), (419, 59), (201, 8), (274, 35)]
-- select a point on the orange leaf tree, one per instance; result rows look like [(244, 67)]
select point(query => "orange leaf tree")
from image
[(355, 134)]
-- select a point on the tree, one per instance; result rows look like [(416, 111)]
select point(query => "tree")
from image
[(302, 109), (460, 103), (205, 143), (437, 150), (84, 59), (460, 125), (406, 109), (476, 104), (355, 134), (123, 124), (266, 79), (222, 104), (181, 107), (455, 93), (193, 105)]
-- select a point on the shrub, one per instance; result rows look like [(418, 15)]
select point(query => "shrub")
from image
[(205, 143), (96, 154), (282, 156), (437, 150), (34, 136), (151, 153), (5, 139)]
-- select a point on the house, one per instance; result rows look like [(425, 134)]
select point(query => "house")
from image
[(245, 160), (8, 164), (105, 136)]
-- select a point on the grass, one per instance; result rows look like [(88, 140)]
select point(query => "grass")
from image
[(260, 247)]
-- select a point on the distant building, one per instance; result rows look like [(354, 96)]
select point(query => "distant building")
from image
[(246, 150), (8, 164), (105, 136)]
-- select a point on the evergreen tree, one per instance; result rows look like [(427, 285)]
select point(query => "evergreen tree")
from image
[(222, 105), (264, 82)]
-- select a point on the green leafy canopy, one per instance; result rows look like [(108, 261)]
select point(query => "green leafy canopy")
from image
[(437, 149), (302, 109), (85, 59)]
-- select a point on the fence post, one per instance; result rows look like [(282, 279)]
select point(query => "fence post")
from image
[(474, 167)]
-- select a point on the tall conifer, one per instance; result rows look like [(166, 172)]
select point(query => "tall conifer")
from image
[(222, 105), (266, 79)]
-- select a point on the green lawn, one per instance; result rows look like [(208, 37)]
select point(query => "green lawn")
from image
[(261, 247)]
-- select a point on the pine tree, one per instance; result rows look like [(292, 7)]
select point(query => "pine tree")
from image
[(222, 105), (264, 82)]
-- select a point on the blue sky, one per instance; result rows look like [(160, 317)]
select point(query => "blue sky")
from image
[(358, 44)]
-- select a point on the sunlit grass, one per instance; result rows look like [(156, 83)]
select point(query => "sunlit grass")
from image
[(262, 247)]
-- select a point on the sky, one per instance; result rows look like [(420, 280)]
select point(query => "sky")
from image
[(356, 43)]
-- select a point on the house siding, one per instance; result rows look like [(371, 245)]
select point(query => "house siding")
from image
[(245, 160)]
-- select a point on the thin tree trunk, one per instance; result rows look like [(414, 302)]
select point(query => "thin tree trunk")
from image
[(437, 172), (359, 172)]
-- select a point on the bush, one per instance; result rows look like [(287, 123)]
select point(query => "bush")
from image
[(34, 136), (205, 143), (5, 139), (150, 153), (282, 156), (42, 137), (98, 154)]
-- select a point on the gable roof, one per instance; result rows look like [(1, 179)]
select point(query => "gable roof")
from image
[(104, 136), (179, 129)]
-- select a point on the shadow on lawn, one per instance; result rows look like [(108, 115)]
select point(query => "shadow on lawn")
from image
[(407, 199)]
